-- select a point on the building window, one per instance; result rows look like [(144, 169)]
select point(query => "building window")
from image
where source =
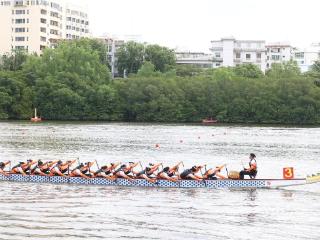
[(20, 12), (20, 21), (218, 64), (20, 39), (238, 55), (218, 55), (43, 20), (54, 23), (248, 56), (275, 57), (54, 32), (44, 12), (54, 14), (20, 30), (299, 55), (43, 39), (42, 29), (259, 55), (19, 47)]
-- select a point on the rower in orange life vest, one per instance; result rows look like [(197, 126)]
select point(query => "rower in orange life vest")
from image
[(252, 170)]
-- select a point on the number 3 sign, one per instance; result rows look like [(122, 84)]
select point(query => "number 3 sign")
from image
[(288, 173)]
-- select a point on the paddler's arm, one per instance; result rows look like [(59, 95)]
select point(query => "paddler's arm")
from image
[(6, 163), (221, 167), (220, 175), (115, 165), (155, 167), (3, 173)]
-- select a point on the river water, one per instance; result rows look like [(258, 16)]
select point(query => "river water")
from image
[(45, 211)]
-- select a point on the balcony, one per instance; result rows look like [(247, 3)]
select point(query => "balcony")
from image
[(19, 4), (249, 49)]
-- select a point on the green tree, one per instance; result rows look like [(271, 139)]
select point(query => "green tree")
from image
[(130, 57), (248, 70), (13, 61), (284, 70), (161, 57)]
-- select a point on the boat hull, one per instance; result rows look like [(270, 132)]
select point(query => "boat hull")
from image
[(226, 183)]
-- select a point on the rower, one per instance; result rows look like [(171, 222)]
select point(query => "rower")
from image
[(125, 169), (191, 174), (165, 174), (107, 172), (23, 168), (214, 174), (148, 172), (83, 170), (43, 169), (61, 168), (252, 170), (2, 167)]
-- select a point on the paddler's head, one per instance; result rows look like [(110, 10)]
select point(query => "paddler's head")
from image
[(194, 169), (166, 169), (252, 156)]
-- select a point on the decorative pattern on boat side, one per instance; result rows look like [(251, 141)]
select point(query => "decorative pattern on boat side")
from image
[(138, 182)]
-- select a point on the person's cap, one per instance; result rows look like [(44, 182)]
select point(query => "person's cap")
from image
[(252, 155)]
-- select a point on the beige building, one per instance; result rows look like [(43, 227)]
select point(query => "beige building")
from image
[(36, 24)]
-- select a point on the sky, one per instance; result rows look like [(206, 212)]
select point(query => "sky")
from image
[(192, 24)]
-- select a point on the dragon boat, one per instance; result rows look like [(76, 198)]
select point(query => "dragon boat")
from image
[(223, 183)]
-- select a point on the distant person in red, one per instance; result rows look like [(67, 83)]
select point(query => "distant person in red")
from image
[(252, 170)]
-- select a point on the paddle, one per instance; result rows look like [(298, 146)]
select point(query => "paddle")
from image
[(205, 183)]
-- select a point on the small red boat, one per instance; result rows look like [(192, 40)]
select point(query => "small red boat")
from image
[(36, 118), (209, 121)]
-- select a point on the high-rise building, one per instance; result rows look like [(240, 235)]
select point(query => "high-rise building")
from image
[(36, 24), (229, 52)]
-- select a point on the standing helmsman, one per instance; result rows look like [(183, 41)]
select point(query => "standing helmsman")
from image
[(252, 170)]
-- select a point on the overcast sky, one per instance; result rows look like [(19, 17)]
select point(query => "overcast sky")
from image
[(192, 24)]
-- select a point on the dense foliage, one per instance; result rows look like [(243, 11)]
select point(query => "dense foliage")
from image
[(72, 82)]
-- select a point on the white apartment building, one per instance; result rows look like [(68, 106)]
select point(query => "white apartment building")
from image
[(229, 52), (36, 24), (278, 53), (199, 59), (307, 57)]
